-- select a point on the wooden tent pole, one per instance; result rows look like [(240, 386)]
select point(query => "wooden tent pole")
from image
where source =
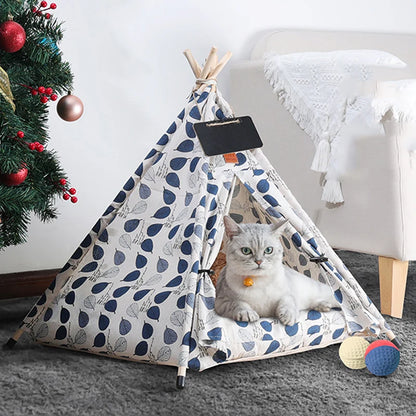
[(209, 63), (220, 65), (196, 69)]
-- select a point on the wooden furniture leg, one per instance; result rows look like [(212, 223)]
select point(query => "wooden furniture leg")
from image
[(392, 277)]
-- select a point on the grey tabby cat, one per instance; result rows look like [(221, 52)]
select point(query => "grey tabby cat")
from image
[(255, 283)]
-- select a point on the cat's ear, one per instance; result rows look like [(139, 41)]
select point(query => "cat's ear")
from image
[(279, 228), (231, 227)]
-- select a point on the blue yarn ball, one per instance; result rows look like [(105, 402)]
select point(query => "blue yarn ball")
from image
[(382, 358)]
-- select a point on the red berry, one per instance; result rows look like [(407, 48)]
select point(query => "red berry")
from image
[(72, 191), (43, 3), (47, 16), (66, 197), (54, 97), (34, 92), (32, 146), (62, 181), (44, 99), (36, 143), (34, 9), (39, 13), (41, 90), (20, 134), (48, 91), (74, 199), (40, 148), (53, 6)]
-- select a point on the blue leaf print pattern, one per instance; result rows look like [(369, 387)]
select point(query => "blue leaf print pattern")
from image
[(78, 283), (170, 336), (168, 196), (141, 261), (154, 313), (144, 191), (215, 334), (103, 322), (83, 319), (173, 180), (119, 257), (161, 297), (186, 146), (162, 213), (131, 225), (90, 267), (141, 348), (338, 295), (337, 333), (314, 329), (162, 265), (124, 327), (274, 345), (190, 130), (132, 276), (314, 315), (292, 329), (147, 245), (316, 341), (147, 331), (153, 229)]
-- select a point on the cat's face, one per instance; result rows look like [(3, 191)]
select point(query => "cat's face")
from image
[(252, 249)]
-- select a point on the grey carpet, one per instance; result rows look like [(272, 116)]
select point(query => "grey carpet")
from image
[(36, 380)]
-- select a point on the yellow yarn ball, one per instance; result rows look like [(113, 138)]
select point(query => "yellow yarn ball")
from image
[(352, 352)]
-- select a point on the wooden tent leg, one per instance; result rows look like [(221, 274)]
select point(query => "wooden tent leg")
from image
[(180, 379), (392, 278), (13, 340)]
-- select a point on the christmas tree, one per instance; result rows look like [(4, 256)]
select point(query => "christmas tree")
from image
[(32, 73)]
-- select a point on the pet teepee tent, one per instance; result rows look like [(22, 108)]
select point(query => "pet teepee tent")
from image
[(137, 287)]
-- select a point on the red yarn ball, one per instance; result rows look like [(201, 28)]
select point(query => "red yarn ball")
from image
[(12, 36)]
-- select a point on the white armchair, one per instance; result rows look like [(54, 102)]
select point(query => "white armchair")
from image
[(379, 213)]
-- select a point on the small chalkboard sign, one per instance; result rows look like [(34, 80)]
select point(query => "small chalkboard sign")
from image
[(228, 136)]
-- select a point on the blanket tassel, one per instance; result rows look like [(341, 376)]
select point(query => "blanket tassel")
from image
[(332, 192), (321, 158)]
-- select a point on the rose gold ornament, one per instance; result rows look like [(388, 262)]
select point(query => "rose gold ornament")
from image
[(14, 179), (70, 107)]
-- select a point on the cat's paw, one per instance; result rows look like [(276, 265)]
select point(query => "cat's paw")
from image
[(246, 315), (323, 306), (287, 315)]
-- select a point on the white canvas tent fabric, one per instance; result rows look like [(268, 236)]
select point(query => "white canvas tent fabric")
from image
[(134, 288)]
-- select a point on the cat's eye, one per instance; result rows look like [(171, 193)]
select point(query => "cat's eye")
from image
[(268, 250), (246, 250)]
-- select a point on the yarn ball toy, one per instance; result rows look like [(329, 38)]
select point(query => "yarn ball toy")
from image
[(382, 357), (352, 352)]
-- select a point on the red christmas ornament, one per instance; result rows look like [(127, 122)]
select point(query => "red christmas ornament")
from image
[(12, 36), (14, 179), (70, 107)]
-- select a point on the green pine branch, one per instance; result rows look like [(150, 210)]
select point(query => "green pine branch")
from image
[(38, 63)]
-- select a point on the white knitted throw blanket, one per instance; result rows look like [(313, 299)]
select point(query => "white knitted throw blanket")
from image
[(324, 92)]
